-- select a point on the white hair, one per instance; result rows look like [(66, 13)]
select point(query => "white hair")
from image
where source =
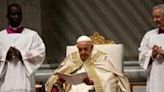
[(160, 6)]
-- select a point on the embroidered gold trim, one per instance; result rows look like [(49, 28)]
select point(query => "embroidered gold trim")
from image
[(76, 60), (54, 77), (89, 64)]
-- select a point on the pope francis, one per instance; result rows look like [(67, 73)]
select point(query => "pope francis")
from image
[(101, 74)]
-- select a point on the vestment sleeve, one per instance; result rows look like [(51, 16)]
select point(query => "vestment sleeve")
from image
[(145, 52), (33, 58)]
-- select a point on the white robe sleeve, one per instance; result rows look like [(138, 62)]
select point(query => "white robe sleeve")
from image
[(35, 56), (3, 65), (145, 52)]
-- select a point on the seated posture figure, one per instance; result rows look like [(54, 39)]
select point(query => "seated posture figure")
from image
[(102, 76)]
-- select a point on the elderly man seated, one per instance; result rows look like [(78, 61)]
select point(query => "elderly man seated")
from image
[(101, 74)]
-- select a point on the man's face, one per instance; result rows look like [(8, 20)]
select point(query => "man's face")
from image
[(14, 16), (85, 49), (158, 18)]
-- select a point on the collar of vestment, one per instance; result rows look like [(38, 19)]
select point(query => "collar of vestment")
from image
[(160, 31), (11, 30)]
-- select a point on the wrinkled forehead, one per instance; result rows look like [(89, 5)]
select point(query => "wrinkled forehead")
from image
[(84, 43), (13, 9), (156, 11), (159, 8)]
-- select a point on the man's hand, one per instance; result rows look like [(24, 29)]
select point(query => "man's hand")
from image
[(54, 89), (161, 51), (88, 81), (155, 51), (60, 81), (13, 53)]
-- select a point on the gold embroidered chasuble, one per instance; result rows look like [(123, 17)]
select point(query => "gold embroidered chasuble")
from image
[(90, 67)]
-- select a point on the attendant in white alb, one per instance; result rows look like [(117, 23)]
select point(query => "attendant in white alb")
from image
[(151, 56), (22, 51)]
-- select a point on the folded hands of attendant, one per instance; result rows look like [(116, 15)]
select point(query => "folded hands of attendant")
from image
[(13, 53), (156, 51)]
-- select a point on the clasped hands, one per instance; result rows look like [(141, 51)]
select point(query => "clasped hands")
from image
[(156, 51), (13, 53)]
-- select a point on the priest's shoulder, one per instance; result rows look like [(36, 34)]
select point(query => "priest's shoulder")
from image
[(29, 31), (2, 30), (152, 32), (25, 30)]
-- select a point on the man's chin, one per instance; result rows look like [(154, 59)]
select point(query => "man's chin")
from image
[(158, 25), (14, 25), (83, 59)]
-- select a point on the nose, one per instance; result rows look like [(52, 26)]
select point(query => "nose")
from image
[(83, 51), (154, 19)]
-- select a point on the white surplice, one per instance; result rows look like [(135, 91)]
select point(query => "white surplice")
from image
[(18, 76), (154, 67)]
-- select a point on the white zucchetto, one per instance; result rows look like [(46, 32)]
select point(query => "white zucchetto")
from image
[(83, 38)]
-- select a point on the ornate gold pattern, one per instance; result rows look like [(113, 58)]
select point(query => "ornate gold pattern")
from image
[(92, 73), (89, 65), (53, 79), (76, 60), (98, 39)]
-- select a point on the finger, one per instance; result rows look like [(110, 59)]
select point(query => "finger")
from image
[(12, 47), (155, 46)]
